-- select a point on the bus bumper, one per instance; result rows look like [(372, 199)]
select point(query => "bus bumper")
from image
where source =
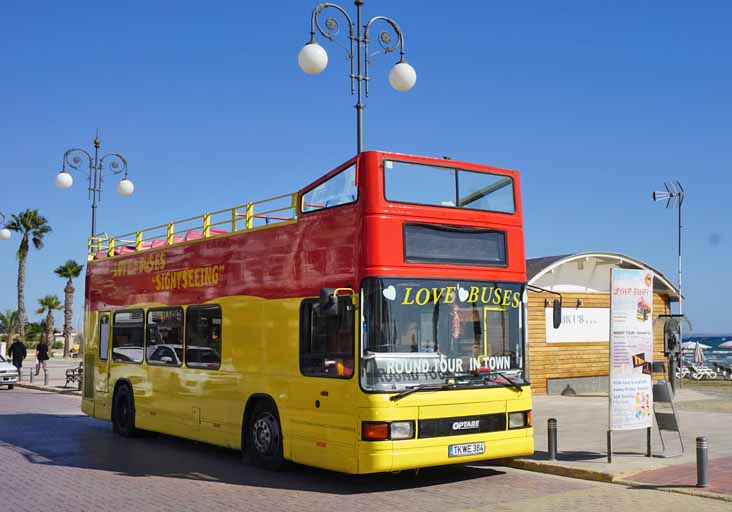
[(376, 457)]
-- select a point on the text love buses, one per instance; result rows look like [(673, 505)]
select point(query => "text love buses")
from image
[(448, 294), (162, 280)]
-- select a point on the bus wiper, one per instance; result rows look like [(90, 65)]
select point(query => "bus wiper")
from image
[(419, 387), (513, 383)]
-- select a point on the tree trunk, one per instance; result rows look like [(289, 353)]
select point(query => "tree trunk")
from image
[(49, 329), (22, 253), (68, 316)]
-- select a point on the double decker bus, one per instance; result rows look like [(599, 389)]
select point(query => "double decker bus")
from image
[(373, 321)]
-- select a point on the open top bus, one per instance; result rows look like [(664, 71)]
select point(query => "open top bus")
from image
[(373, 321)]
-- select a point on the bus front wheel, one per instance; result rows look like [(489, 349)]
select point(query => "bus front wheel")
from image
[(265, 437), (123, 419)]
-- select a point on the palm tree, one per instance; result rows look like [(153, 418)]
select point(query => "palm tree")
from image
[(69, 271), (33, 227), (48, 305), (35, 330), (9, 323)]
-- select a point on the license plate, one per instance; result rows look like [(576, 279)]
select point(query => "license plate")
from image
[(465, 450)]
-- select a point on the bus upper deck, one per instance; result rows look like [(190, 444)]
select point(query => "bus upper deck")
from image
[(394, 191)]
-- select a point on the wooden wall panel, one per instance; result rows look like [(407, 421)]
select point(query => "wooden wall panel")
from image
[(576, 359)]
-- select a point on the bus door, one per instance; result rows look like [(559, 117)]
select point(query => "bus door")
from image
[(323, 424), (101, 375)]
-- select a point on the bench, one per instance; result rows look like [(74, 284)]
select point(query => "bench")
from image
[(74, 374)]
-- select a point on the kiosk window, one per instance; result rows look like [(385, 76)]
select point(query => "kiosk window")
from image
[(326, 342), (129, 336), (203, 337)]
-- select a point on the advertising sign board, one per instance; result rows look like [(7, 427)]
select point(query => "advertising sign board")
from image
[(631, 349)]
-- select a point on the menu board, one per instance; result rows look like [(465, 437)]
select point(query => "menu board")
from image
[(631, 349)]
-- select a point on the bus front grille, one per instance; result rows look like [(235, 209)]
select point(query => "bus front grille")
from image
[(459, 426)]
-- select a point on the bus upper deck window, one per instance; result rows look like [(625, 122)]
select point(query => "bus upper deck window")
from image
[(335, 191)]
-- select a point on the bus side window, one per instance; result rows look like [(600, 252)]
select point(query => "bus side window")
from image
[(128, 337), (327, 342), (164, 344), (103, 337), (337, 190), (203, 337)]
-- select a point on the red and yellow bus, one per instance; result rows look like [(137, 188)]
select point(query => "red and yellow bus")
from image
[(373, 321)]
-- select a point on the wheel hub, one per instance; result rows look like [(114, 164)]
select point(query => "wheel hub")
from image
[(263, 434)]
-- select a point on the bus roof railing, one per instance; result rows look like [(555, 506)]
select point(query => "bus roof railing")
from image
[(267, 213)]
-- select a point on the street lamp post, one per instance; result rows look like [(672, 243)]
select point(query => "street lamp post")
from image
[(4, 231), (118, 165), (674, 197), (313, 58)]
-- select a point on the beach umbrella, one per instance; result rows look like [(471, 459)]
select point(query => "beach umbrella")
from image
[(698, 354), (693, 344), (726, 344)]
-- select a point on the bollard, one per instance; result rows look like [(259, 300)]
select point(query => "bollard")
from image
[(702, 458), (31, 375), (552, 438), (45, 377), (20, 375)]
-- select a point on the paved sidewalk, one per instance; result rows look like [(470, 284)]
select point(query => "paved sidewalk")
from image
[(76, 463), (582, 444), (684, 476), (57, 367)]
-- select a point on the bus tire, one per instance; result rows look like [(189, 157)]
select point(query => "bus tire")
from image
[(264, 437), (11, 386), (123, 415)]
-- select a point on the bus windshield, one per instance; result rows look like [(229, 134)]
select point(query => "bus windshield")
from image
[(425, 331)]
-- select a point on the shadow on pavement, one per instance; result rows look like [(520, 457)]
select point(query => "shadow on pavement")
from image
[(570, 455), (83, 442), (655, 487)]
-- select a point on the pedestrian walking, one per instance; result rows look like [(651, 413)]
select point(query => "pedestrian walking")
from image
[(18, 353), (41, 357)]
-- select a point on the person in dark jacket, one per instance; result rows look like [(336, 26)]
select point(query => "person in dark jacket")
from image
[(18, 352), (41, 357)]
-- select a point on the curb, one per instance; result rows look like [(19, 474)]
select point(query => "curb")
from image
[(70, 391), (555, 469), (690, 491), (611, 478)]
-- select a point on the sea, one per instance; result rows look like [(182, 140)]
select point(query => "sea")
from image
[(713, 354)]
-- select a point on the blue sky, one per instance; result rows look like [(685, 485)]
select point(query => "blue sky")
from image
[(596, 103)]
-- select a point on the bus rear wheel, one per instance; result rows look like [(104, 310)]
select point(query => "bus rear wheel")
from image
[(265, 437), (123, 418)]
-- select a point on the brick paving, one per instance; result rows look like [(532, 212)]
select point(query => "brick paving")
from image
[(684, 475), (54, 458)]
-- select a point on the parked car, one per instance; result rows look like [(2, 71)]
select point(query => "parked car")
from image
[(8, 373)]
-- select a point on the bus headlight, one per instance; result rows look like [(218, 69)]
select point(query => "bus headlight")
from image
[(519, 419), (402, 430)]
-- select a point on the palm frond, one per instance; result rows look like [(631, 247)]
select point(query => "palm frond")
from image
[(69, 270)]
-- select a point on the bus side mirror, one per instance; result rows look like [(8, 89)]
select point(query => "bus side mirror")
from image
[(328, 303), (557, 313)]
